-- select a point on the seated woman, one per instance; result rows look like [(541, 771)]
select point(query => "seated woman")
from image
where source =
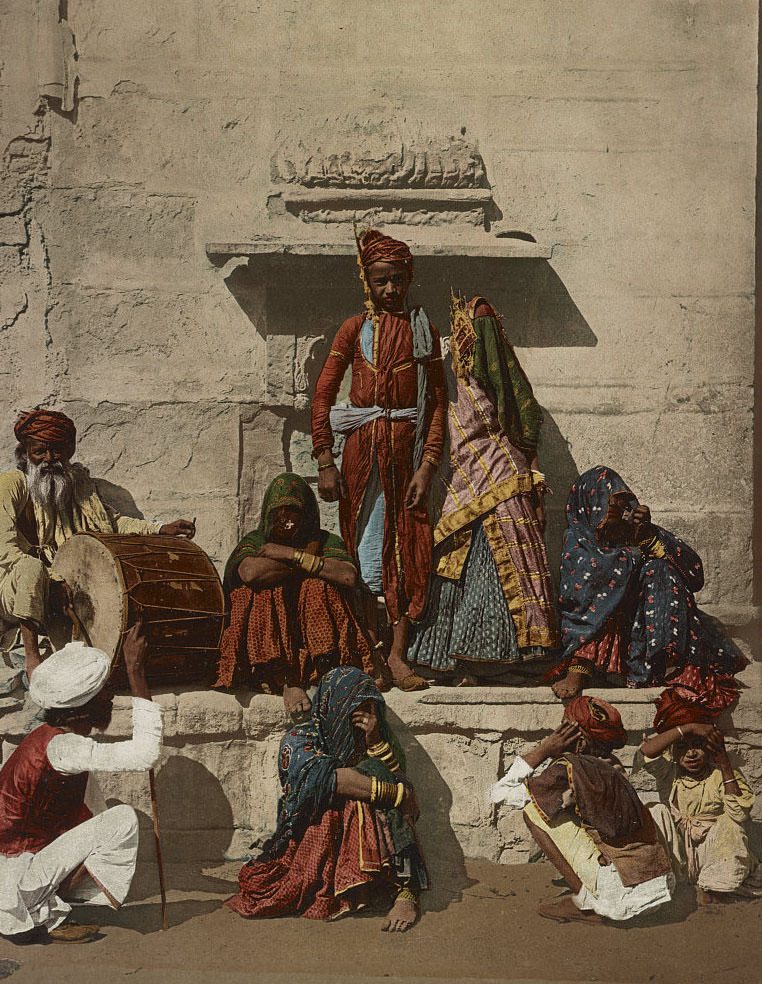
[(290, 619), (345, 816), (705, 803), (627, 605), (588, 820), (491, 606)]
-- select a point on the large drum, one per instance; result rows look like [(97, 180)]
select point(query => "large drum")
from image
[(166, 580)]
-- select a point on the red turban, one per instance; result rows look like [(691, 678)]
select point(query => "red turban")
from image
[(673, 710), (49, 426), (375, 247), (597, 720)]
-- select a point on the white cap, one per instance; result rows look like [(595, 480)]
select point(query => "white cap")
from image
[(70, 677)]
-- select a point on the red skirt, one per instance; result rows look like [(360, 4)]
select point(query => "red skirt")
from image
[(314, 878), (303, 626)]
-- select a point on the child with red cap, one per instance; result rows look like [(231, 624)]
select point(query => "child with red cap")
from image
[(705, 803)]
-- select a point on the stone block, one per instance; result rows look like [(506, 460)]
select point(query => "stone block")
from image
[(262, 457), (138, 129), (125, 237), (208, 713), (470, 764), (194, 341), (175, 450), (13, 231), (265, 717)]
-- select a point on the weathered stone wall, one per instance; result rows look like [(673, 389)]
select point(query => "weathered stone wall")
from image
[(621, 136), (217, 778)]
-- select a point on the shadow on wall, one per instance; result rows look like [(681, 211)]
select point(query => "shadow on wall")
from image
[(442, 852), (118, 498), (195, 825), (312, 295), (308, 297), (561, 472)]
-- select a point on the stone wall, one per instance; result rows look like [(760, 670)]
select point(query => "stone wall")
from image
[(217, 778), (622, 139)]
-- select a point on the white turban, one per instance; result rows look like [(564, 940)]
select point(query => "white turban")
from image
[(70, 677)]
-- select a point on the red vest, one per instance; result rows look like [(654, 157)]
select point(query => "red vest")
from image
[(37, 803)]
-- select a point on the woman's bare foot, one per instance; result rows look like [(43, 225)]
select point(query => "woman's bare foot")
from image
[(401, 917), (564, 910), (296, 701), (570, 686), (467, 680)]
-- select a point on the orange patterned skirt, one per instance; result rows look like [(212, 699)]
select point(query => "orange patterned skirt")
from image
[(303, 627)]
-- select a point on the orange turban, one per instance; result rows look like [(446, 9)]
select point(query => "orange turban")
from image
[(375, 247), (45, 425), (597, 720), (673, 710)]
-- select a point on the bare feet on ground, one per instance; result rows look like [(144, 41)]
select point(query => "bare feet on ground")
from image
[(296, 700), (570, 686), (564, 910), (401, 917)]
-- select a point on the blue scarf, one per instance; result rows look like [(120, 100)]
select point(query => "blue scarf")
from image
[(311, 753)]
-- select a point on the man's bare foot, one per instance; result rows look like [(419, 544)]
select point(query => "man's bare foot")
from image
[(564, 910), (570, 686), (296, 701), (704, 897), (401, 917)]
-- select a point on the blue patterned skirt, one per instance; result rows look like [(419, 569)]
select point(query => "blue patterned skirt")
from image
[(468, 619)]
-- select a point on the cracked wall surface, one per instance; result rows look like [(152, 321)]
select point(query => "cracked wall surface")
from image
[(624, 138)]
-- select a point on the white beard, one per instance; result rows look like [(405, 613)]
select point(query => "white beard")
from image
[(51, 489)]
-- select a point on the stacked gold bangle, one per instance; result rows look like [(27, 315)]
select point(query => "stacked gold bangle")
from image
[(386, 795), (582, 668), (406, 895), (310, 563), (383, 752)]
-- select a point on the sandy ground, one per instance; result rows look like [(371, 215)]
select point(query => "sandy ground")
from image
[(480, 925)]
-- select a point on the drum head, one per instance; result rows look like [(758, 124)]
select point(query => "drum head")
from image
[(89, 568)]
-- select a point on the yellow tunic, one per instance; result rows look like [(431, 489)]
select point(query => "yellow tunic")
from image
[(23, 566), (703, 824)]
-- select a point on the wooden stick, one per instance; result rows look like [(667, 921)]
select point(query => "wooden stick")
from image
[(159, 862)]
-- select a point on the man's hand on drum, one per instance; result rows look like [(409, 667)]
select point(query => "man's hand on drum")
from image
[(180, 527), (135, 651)]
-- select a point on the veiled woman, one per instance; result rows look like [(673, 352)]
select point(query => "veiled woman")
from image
[(345, 815), (491, 606), (287, 583), (627, 601)]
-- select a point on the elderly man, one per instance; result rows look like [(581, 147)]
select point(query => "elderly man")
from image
[(43, 502), (53, 851)]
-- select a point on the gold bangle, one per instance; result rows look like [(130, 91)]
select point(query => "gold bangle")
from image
[(373, 789), (378, 749), (297, 558), (332, 464), (308, 562), (400, 795), (579, 668), (319, 566), (406, 895)]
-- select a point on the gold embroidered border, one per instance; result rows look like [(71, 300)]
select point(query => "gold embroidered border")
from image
[(488, 500), (509, 579)]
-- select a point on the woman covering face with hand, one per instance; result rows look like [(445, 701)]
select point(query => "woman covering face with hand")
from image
[(346, 816)]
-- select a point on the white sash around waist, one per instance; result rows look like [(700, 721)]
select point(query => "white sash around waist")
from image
[(345, 418)]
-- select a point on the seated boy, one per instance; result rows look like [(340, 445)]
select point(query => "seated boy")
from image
[(705, 803), (588, 820)]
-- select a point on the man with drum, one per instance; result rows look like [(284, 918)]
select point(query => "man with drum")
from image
[(43, 502), (53, 850)]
